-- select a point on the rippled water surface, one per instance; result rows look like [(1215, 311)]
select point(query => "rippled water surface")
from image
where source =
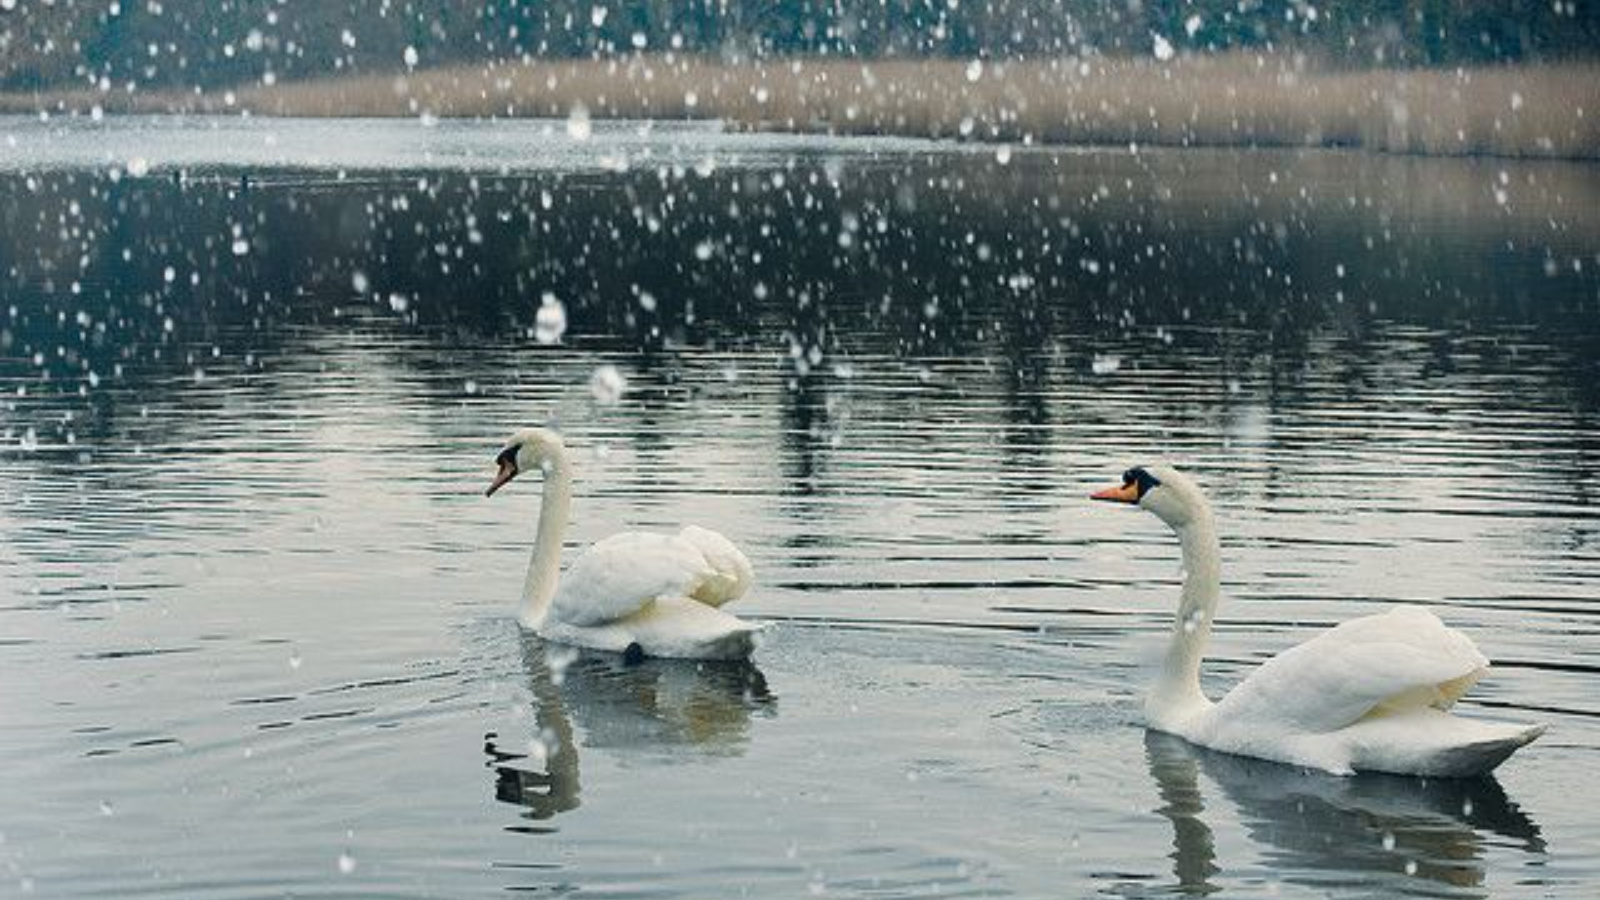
[(257, 618)]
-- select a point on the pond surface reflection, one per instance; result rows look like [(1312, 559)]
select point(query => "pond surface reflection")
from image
[(260, 619), (1321, 828), (655, 709)]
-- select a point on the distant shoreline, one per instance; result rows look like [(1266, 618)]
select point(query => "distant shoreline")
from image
[(1547, 111)]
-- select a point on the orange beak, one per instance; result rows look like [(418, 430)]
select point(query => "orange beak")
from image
[(1127, 493), (508, 471)]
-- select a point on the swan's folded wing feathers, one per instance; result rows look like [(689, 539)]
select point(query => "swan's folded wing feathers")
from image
[(733, 573), (1401, 659), (617, 577)]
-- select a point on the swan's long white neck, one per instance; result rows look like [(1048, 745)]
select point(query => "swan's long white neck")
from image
[(544, 567), (1177, 691)]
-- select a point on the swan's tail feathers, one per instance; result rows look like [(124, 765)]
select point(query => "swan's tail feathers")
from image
[(735, 645), (685, 628), (1481, 757), (1434, 743)]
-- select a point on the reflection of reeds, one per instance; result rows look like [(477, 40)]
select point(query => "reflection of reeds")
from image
[(1239, 100)]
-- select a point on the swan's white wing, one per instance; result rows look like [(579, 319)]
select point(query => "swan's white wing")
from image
[(733, 574), (617, 577), (1403, 659)]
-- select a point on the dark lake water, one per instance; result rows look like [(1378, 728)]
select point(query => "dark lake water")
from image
[(257, 620)]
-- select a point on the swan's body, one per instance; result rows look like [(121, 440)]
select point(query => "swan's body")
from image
[(1372, 694), (656, 595)]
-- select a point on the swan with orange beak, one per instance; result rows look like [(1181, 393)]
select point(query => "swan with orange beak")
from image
[(637, 593), (1372, 694)]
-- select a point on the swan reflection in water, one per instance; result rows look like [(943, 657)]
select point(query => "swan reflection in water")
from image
[(1316, 828), (656, 707)]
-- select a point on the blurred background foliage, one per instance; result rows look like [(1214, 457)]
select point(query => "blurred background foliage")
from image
[(189, 44)]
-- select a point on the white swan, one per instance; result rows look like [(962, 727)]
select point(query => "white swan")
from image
[(637, 593), (1372, 694)]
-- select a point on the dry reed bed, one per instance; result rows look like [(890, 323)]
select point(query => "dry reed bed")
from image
[(1548, 110)]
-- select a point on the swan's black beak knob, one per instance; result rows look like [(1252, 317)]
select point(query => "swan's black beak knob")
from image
[(1136, 482), (507, 461)]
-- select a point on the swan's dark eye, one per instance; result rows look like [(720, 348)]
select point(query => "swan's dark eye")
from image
[(508, 456), (1138, 476)]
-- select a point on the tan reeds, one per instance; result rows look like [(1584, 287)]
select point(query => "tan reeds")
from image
[(1544, 110)]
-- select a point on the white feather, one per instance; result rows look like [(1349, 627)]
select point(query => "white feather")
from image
[(1372, 694), (661, 593), (615, 577), (668, 628), (1402, 659), (732, 574)]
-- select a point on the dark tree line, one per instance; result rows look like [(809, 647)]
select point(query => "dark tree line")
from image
[(210, 43)]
